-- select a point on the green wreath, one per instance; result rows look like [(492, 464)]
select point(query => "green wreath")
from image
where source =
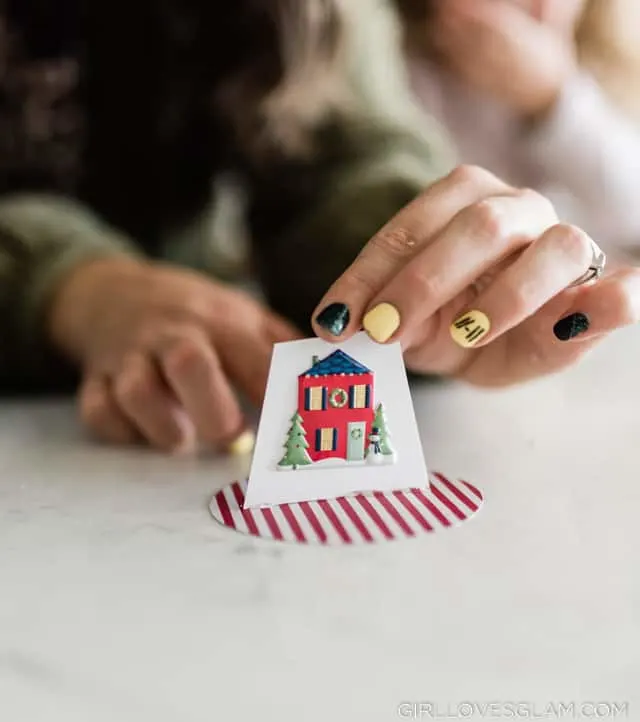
[(338, 398)]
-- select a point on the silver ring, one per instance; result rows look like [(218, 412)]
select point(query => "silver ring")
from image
[(596, 267)]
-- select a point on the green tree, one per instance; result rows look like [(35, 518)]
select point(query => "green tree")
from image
[(380, 422), (296, 445)]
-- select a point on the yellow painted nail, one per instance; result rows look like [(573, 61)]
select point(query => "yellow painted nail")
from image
[(469, 328), (243, 445), (382, 322)]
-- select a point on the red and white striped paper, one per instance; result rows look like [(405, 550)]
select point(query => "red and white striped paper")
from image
[(359, 519)]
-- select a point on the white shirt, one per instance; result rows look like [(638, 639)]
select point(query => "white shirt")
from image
[(584, 156)]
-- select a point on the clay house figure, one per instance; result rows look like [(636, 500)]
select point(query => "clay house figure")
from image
[(335, 401)]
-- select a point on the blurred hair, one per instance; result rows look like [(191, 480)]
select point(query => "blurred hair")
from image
[(609, 46), (213, 85), (289, 80)]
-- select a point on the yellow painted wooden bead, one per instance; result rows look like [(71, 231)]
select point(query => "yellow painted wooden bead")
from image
[(243, 445)]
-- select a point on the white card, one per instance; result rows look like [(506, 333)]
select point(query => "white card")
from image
[(336, 420)]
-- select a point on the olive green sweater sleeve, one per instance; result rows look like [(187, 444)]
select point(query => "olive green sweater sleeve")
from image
[(373, 158), (42, 238)]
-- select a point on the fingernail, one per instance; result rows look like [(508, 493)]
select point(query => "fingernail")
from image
[(571, 326), (469, 328), (188, 442), (185, 447), (381, 322), (243, 445), (334, 318)]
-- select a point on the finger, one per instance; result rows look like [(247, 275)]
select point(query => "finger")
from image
[(144, 398), (339, 314), (539, 9), (490, 12), (478, 238), (279, 330), (458, 44), (463, 7), (101, 415), (545, 269), (599, 308), (477, 22), (245, 351), (478, 41), (194, 373), (561, 332), (552, 13), (246, 360)]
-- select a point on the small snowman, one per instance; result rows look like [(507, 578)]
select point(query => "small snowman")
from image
[(374, 450)]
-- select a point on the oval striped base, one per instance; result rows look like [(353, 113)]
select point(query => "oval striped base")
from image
[(359, 519)]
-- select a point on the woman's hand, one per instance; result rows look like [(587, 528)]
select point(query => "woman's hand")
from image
[(161, 350), (501, 48), (474, 279)]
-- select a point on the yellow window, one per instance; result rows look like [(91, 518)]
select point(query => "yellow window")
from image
[(316, 399), (360, 396), (327, 439)]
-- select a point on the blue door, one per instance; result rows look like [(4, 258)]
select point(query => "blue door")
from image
[(356, 438)]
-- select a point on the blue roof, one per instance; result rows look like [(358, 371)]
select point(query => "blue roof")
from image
[(337, 362)]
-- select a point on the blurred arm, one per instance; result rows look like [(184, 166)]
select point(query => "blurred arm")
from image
[(42, 238), (590, 148)]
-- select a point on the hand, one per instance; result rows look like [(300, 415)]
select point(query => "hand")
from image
[(500, 48), (472, 247), (160, 349)]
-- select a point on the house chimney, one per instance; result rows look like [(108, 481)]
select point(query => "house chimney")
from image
[(314, 360)]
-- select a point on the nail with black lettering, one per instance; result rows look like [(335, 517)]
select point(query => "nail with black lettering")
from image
[(469, 328)]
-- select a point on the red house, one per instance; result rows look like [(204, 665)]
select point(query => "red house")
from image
[(335, 401)]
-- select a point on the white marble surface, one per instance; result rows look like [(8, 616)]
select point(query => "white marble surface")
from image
[(121, 600)]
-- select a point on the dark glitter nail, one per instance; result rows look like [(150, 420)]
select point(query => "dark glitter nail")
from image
[(334, 318), (571, 326)]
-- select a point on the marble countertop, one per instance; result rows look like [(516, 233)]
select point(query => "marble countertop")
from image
[(121, 600)]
